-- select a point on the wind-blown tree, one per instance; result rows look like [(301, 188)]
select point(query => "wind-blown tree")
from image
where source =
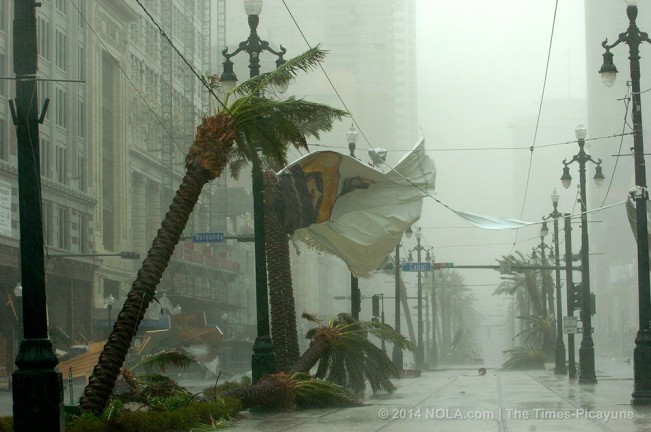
[(282, 308), (524, 281), (229, 138), (345, 356)]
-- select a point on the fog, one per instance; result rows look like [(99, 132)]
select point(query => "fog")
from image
[(500, 88)]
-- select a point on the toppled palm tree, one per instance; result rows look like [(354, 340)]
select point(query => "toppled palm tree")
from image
[(347, 356), (287, 391), (229, 138)]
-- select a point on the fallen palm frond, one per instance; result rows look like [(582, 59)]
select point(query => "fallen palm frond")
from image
[(164, 359), (284, 391), (525, 358)]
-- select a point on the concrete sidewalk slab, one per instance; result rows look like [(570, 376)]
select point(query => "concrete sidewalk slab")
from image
[(463, 400)]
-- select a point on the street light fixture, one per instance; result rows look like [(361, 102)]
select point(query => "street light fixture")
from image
[(109, 302), (559, 364), (586, 352), (263, 361), (633, 37)]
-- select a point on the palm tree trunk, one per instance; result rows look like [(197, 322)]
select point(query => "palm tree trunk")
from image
[(325, 340), (262, 393), (101, 382), (281, 294)]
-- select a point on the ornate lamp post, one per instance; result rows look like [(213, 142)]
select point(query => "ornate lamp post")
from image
[(543, 261), (586, 352), (36, 384), (396, 355), (420, 353), (263, 361), (559, 365), (355, 295), (633, 37), (568, 293)]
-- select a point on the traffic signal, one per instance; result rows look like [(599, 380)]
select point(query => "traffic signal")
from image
[(575, 298), (376, 305)]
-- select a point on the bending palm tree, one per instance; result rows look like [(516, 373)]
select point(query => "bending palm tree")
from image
[(230, 134), (281, 293), (347, 358)]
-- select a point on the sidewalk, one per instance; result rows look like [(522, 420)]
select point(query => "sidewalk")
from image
[(462, 400)]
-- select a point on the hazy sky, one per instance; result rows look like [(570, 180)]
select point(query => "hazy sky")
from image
[(482, 70)]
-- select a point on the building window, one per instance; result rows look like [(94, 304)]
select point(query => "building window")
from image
[(61, 163), (44, 89), (62, 6), (82, 63), (3, 15), (61, 46), (44, 38), (82, 173), (4, 142), (83, 233), (47, 222), (46, 158), (61, 115), (81, 108), (64, 228), (3, 83)]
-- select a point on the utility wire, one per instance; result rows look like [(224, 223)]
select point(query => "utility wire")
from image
[(178, 52), (352, 117), (535, 135), (627, 100), (454, 149), (117, 63)]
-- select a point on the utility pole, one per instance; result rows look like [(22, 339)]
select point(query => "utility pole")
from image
[(36, 385)]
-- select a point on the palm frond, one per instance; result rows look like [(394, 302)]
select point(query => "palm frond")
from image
[(274, 125), (380, 330), (312, 317), (315, 393), (164, 359), (281, 76)]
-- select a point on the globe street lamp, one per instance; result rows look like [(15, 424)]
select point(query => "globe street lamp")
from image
[(586, 352), (263, 361), (633, 37), (559, 364), (109, 302)]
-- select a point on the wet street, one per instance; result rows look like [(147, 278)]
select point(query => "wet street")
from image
[(462, 399)]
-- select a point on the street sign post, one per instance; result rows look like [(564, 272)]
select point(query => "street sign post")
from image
[(209, 237), (417, 266)]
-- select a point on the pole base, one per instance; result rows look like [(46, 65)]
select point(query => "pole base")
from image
[(396, 357), (559, 366), (586, 364), (641, 371), (263, 360), (38, 400)]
